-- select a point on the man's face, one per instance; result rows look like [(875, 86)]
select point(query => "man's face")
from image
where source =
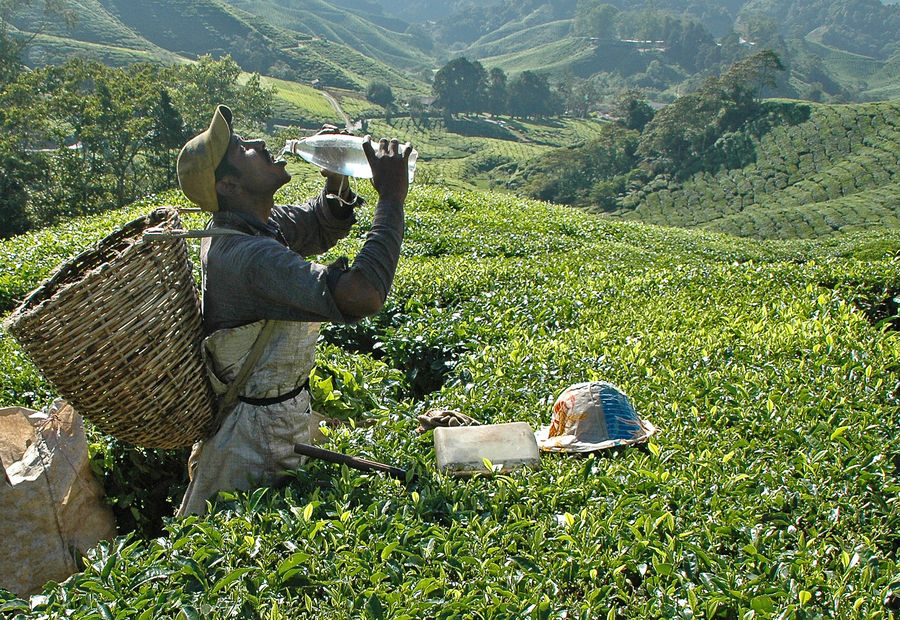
[(260, 172)]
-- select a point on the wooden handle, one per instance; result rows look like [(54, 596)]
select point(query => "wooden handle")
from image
[(350, 461)]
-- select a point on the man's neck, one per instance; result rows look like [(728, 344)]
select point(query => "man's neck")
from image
[(259, 209)]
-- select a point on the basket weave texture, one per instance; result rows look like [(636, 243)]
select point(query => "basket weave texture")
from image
[(117, 331)]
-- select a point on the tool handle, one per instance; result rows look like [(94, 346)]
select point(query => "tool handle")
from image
[(349, 461)]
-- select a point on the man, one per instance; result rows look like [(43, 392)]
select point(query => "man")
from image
[(263, 301)]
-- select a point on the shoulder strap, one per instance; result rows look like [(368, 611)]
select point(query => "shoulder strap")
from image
[(158, 233), (230, 399)]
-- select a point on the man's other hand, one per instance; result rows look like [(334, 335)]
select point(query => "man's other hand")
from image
[(390, 175)]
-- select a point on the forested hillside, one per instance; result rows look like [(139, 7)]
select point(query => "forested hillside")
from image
[(723, 158), (165, 29), (831, 52), (838, 170)]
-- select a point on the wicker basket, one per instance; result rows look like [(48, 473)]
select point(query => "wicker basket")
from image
[(117, 331)]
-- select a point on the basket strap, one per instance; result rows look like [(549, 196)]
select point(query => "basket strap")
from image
[(158, 233), (230, 399)]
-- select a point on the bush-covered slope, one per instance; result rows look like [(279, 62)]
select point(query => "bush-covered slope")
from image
[(771, 488), (260, 41), (92, 22), (864, 27), (836, 171), (884, 84), (496, 43), (325, 20), (469, 153), (556, 55), (52, 50)]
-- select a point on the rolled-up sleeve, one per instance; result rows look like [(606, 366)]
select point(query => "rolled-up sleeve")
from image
[(315, 227), (249, 278)]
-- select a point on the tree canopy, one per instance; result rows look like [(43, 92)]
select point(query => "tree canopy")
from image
[(530, 96), (380, 93), (633, 109), (704, 130), (82, 137), (596, 19), (460, 86)]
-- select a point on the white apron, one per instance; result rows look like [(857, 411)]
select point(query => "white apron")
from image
[(254, 446)]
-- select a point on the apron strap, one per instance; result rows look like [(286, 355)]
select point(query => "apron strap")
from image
[(231, 397)]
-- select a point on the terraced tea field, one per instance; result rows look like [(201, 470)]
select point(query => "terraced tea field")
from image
[(771, 490), (465, 154), (838, 171), (300, 104)]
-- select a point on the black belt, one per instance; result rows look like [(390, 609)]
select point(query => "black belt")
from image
[(264, 402)]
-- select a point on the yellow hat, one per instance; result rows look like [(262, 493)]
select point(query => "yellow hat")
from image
[(199, 158)]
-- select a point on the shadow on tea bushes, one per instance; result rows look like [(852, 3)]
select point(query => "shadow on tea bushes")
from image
[(143, 486), (425, 359)]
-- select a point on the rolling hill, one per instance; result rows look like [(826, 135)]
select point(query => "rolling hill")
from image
[(498, 33), (349, 43), (167, 30), (837, 171), (318, 19)]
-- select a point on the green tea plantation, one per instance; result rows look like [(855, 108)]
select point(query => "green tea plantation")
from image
[(835, 168), (772, 489)]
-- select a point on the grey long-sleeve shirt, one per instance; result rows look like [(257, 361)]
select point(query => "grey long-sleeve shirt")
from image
[(266, 275)]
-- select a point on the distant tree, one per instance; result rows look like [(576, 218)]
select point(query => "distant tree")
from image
[(585, 174), (497, 94), (711, 127), (417, 111), (747, 78), (689, 44), (759, 28), (108, 114), (167, 136), (17, 173), (634, 110), (666, 142), (22, 119), (125, 122), (584, 98), (202, 85), (595, 19), (208, 82), (530, 96), (281, 70), (460, 86), (731, 49), (254, 101), (10, 54), (380, 93), (644, 24)]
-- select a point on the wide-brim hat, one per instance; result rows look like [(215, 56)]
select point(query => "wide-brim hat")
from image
[(592, 416), (199, 158)]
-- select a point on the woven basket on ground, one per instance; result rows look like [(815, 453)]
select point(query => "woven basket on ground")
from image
[(117, 331)]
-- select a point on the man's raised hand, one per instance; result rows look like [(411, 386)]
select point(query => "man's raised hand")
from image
[(390, 164)]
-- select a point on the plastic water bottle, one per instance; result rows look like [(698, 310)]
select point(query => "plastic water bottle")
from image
[(339, 153)]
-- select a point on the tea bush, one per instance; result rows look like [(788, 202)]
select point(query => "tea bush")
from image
[(836, 171), (770, 491)]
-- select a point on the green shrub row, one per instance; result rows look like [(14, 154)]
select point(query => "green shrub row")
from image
[(835, 163), (770, 491)]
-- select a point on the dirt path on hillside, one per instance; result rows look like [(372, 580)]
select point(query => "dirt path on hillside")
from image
[(337, 108)]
